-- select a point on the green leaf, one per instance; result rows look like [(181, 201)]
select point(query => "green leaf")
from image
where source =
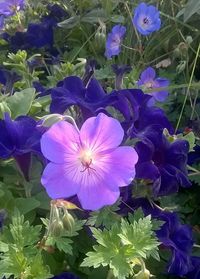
[(94, 16), (190, 137), (125, 243), (192, 7), (104, 217), (19, 254), (20, 103), (26, 205), (70, 22)]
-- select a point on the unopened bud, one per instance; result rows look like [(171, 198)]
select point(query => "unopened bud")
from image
[(68, 221), (56, 228)]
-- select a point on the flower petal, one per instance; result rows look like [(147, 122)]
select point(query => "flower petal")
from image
[(101, 133), (97, 195), (60, 142), (118, 167), (57, 181)]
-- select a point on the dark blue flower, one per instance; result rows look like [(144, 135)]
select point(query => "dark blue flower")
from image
[(56, 12), (131, 103), (40, 34), (2, 218), (18, 139), (66, 275), (195, 268), (10, 7), (162, 162), (194, 156), (178, 238), (114, 40), (71, 91), (149, 80), (146, 19), (8, 78)]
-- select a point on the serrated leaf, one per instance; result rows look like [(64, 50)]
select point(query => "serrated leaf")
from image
[(123, 244), (64, 244), (105, 216)]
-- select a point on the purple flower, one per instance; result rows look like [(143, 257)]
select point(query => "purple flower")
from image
[(71, 91), (178, 238), (87, 163), (2, 218), (195, 269), (18, 139), (162, 162), (149, 81), (10, 7), (131, 103), (114, 40), (146, 19), (39, 34), (2, 17)]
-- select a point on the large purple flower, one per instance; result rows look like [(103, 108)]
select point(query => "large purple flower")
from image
[(162, 162), (146, 19), (82, 161), (18, 139), (149, 80), (10, 7), (114, 40)]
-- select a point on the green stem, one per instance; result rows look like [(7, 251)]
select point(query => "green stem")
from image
[(188, 88)]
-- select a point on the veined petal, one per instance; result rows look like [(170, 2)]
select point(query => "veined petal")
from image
[(60, 142), (118, 167), (97, 195), (57, 181), (101, 133)]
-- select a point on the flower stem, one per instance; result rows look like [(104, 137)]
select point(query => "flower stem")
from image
[(188, 88)]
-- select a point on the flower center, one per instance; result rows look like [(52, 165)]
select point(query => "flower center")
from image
[(86, 160), (145, 21), (149, 85)]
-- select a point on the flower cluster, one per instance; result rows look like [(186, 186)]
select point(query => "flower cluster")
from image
[(146, 20), (94, 145)]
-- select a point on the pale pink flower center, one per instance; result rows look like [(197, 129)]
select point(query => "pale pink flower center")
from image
[(86, 157)]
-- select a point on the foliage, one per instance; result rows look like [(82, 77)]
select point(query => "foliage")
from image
[(20, 255), (123, 246)]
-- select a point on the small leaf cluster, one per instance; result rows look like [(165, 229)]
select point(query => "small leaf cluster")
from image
[(124, 246), (20, 256)]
